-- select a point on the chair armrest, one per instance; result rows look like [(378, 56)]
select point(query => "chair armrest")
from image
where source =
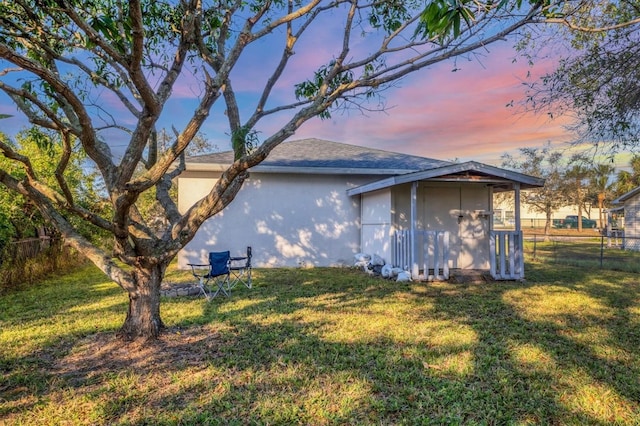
[(238, 258), (200, 270)]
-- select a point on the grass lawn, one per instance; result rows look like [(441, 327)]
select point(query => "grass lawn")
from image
[(330, 346)]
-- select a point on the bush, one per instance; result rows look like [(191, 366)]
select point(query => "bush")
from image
[(23, 264)]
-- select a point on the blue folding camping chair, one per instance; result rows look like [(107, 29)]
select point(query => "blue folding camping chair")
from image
[(240, 267), (218, 270)]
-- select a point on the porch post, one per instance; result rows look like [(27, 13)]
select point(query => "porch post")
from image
[(516, 187), (519, 237), (414, 217)]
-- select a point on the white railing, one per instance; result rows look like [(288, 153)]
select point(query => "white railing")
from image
[(506, 256), (432, 253), (615, 238)]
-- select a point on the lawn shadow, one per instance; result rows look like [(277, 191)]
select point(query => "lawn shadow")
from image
[(316, 347), (41, 324), (406, 380), (528, 362)]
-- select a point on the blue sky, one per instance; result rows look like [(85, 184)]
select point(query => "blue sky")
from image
[(434, 113), (447, 115)]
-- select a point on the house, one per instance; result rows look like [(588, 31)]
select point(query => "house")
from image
[(630, 203), (503, 214), (317, 203)]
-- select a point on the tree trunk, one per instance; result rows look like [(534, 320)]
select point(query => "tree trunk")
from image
[(579, 216), (601, 197), (143, 318), (547, 224)]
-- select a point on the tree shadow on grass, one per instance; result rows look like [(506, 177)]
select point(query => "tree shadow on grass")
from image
[(534, 362), (308, 348), (41, 323), (404, 382)]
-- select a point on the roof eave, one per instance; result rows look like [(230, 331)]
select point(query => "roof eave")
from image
[(206, 167), (624, 197), (526, 181)]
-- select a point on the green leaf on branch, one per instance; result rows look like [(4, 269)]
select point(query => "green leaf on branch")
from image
[(110, 29), (389, 15), (443, 18), (244, 141), (42, 141), (310, 89)]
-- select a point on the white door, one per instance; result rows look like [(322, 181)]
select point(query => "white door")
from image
[(474, 227), (459, 209), (440, 213)]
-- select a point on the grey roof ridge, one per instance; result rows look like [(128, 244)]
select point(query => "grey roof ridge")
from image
[(312, 155)]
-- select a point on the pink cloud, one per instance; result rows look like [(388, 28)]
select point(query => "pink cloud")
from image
[(434, 112), (443, 114)]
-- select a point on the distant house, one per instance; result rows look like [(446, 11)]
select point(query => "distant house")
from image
[(631, 206), (317, 203), (531, 218)]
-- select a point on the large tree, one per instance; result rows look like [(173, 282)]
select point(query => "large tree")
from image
[(596, 83), (101, 72)]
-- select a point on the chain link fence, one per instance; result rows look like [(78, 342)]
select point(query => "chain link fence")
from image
[(613, 251)]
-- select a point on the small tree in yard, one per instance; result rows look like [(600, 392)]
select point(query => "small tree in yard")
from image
[(627, 180), (544, 163), (100, 73), (600, 189), (575, 188)]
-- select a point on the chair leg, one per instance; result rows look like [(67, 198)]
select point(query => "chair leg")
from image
[(248, 282), (223, 286), (203, 289), (241, 275)]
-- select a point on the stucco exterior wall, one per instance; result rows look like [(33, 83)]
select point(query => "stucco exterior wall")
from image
[(632, 223), (376, 223), (288, 220)]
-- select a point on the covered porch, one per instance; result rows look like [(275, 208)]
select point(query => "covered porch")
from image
[(438, 220)]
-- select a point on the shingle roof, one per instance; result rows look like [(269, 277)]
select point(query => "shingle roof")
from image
[(323, 154)]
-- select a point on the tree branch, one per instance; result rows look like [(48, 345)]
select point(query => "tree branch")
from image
[(101, 259), (87, 135), (574, 27), (10, 153), (145, 124)]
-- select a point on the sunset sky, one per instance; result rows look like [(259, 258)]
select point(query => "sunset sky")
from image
[(452, 115), (434, 113)]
